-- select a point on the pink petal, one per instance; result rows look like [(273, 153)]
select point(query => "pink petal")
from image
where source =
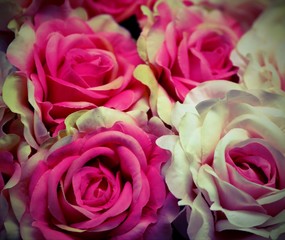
[(119, 207), (89, 153), (39, 199), (136, 210), (55, 176), (120, 139), (49, 233)]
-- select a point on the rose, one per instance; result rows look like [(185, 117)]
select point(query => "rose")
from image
[(101, 182), (10, 173), (228, 160), (30, 7), (262, 65), (244, 11), (19, 9), (185, 46), (67, 65), (188, 45), (10, 170), (11, 150), (120, 10)]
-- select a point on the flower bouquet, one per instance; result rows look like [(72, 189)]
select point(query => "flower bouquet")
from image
[(148, 119)]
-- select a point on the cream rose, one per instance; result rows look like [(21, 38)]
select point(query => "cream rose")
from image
[(228, 162), (262, 65)]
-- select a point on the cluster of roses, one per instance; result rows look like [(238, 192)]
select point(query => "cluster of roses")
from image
[(178, 134)]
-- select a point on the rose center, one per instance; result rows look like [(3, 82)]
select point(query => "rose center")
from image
[(93, 186), (95, 67), (247, 168), (216, 49), (254, 162), (103, 185)]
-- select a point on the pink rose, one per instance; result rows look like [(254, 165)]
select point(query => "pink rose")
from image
[(120, 9), (67, 65), (228, 162), (19, 9), (101, 182), (30, 7), (10, 173), (13, 150), (185, 46)]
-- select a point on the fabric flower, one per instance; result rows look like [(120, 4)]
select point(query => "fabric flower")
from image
[(10, 126), (10, 173), (120, 10), (20, 9), (185, 46), (101, 180), (9, 168), (13, 150), (228, 160), (244, 11), (261, 65), (67, 65)]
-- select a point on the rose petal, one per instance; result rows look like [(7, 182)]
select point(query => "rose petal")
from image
[(119, 207)]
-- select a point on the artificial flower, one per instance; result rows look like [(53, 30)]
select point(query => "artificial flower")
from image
[(227, 162), (261, 65), (185, 46), (69, 64), (101, 179)]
